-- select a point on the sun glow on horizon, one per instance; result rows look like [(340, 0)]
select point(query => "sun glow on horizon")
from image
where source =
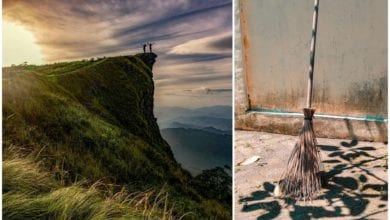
[(19, 46)]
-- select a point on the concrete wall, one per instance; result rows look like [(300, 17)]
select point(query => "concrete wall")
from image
[(350, 77), (240, 95)]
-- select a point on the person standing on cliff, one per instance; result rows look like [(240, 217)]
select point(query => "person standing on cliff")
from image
[(150, 47), (144, 45)]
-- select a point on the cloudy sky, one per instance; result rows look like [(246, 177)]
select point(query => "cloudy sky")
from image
[(192, 39)]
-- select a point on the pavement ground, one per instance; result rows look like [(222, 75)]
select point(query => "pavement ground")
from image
[(357, 188)]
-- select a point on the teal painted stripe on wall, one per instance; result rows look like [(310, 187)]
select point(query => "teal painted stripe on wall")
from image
[(361, 118)]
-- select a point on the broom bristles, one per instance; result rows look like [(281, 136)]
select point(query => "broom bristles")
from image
[(302, 178)]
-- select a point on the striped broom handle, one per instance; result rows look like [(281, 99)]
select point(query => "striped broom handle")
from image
[(312, 52)]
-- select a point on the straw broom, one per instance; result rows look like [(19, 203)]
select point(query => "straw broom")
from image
[(302, 179)]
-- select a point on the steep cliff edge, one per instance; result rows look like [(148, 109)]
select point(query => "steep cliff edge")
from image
[(94, 120), (96, 116)]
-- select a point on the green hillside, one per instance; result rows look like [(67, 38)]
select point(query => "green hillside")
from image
[(83, 122)]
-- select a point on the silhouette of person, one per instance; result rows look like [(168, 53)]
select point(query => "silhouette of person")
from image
[(150, 47), (144, 45)]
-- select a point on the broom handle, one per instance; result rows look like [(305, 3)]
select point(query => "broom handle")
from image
[(312, 52)]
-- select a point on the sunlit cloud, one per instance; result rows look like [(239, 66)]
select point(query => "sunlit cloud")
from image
[(207, 45), (24, 41), (77, 29)]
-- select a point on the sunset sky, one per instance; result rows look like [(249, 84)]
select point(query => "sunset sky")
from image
[(192, 40)]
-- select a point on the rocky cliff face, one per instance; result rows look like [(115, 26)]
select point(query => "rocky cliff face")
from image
[(147, 96), (148, 58)]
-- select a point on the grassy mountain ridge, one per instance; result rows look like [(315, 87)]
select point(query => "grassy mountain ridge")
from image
[(94, 120), (105, 104)]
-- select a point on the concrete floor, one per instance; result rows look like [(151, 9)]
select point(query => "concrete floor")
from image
[(357, 188)]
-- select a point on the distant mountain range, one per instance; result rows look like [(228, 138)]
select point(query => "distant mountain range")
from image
[(219, 117), (200, 138), (199, 150)]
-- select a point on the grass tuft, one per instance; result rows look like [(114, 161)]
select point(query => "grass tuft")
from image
[(32, 193)]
